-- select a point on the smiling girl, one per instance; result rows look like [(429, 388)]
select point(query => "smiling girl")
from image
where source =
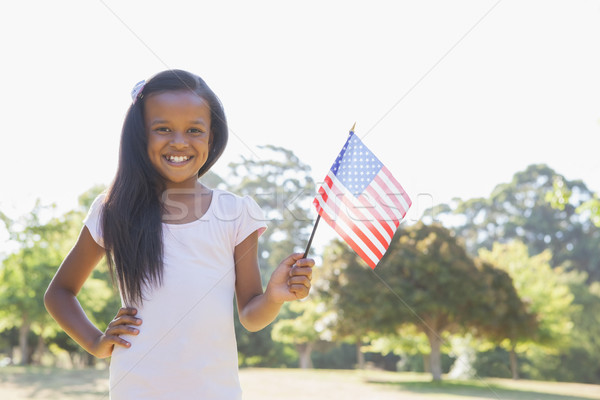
[(180, 252)]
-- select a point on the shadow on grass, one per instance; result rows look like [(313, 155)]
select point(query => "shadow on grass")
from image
[(73, 384), (482, 390)]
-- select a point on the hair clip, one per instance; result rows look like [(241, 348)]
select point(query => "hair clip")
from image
[(137, 90)]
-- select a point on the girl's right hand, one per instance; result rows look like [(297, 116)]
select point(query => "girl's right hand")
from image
[(121, 324)]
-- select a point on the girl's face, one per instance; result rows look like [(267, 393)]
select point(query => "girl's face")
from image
[(179, 138)]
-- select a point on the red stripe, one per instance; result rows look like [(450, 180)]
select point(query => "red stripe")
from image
[(357, 231), (338, 212), (393, 195), (328, 181), (339, 193), (371, 208), (384, 206), (366, 222), (323, 193), (347, 239), (399, 186)]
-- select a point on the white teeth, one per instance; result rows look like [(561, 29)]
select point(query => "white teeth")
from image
[(178, 159)]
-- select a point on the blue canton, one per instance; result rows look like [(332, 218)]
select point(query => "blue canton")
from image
[(355, 166)]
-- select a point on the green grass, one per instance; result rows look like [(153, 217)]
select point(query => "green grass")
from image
[(293, 384), (52, 383), (484, 389)]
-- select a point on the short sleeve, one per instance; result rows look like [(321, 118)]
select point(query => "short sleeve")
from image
[(93, 219), (251, 219)]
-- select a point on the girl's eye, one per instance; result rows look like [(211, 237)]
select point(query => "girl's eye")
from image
[(163, 130), (195, 131)]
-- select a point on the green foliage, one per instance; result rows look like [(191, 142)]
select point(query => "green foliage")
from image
[(257, 349), (407, 340), (561, 195), (575, 365), (591, 208), (25, 274), (494, 362), (300, 327), (520, 210), (541, 287), (506, 317), (350, 291), (336, 356), (550, 214), (44, 240), (578, 362), (438, 282), (432, 288)]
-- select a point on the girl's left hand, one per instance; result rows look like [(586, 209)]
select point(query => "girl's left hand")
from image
[(291, 279)]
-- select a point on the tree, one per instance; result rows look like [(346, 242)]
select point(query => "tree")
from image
[(433, 284), (26, 273), (508, 319), (300, 329), (520, 210), (579, 362), (538, 284)]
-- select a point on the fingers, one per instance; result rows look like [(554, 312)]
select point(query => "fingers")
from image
[(303, 267), (300, 290), (125, 320), (299, 281), (112, 335), (292, 258), (122, 325), (305, 262), (126, 311)]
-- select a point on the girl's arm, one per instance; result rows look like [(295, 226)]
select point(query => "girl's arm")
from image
[(290, 281), (61, 301)]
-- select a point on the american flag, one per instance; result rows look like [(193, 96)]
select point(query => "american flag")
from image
[(362, 201)]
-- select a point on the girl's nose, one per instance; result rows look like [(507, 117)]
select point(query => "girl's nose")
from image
[(179, 140)]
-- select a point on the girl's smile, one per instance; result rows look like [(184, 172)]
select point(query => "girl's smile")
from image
[(179, 138)]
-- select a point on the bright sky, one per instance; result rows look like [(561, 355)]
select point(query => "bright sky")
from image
[(454, 97)]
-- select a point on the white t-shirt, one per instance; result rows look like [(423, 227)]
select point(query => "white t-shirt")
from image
[(186, 348)]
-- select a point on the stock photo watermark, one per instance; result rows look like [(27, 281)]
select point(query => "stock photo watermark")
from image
[(284, 205)]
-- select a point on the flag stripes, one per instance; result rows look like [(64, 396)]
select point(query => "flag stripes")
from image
[(354, 220)]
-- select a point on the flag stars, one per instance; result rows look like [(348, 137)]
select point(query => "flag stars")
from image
[(355, 166)]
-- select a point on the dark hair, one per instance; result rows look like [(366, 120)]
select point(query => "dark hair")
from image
[(132, 213)]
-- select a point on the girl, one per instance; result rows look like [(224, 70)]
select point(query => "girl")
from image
[(179, 251)]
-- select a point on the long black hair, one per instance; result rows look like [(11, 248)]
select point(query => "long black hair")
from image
[(132, 213)]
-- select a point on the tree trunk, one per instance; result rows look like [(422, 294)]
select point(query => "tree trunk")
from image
[(89, 360), (427, 363), (514, 367), (304, 351), (23, 346), (360, 357), (39, 350), (436, 355)]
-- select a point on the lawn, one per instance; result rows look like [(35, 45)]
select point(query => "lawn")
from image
[(17, 383)]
